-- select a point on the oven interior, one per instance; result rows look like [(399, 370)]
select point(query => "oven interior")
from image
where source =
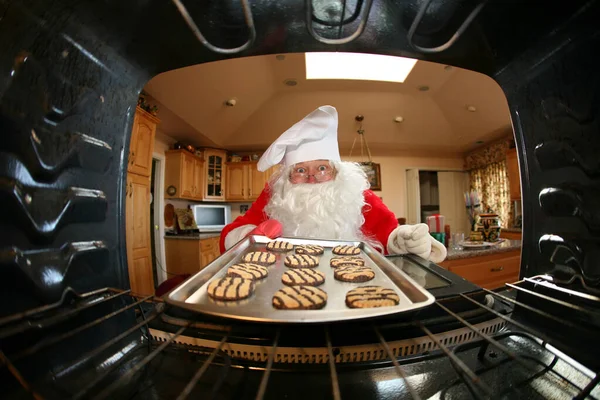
[(70, 76)]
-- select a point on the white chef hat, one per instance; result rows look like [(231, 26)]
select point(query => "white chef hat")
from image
[(312, 138)]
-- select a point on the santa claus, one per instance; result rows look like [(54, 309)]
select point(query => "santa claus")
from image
[(316, 195)]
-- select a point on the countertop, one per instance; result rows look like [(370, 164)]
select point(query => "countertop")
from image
[(506, 245), (194, 236)]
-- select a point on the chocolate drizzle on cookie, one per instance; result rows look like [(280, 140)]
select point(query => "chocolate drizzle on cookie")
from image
[(248, 271), (338, 261), (280, 246), (260, 257), (303, 276), (311, 249), (299, 298), (230, 288), (301, 261), (371, 296), (346, 250), (353, 273)]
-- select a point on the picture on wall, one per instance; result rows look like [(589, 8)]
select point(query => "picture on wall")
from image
[(373, 172)]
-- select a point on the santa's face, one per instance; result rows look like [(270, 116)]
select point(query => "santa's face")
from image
[(315, 171), (330, 210)]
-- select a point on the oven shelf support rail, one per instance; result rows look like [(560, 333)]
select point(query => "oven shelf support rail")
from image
[(196, 31)]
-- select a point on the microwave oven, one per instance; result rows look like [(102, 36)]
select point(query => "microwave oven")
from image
[(211, 217)]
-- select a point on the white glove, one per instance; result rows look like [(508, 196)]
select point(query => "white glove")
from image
[(415, 239), (237, 234)]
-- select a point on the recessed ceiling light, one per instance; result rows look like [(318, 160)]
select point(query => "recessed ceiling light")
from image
[(448, 68), (280, 57), (290, 82), (471, 108), (399, 119), (479, 142), (423, 88), (358, 66)]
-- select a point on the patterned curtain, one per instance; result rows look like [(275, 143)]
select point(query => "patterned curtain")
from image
[(491, 182)]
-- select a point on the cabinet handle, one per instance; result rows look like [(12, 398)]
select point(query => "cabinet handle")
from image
[(496, 269), (132, 157), (130, 189), (250, 192), (242, 191)]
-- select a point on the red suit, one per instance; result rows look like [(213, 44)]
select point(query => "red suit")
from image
[(379, 220)]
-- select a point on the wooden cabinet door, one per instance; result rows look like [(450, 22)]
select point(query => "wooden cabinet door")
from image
[(137, 208), (142, 144), (198, 183), (214, 175), (187, 176), (237, 176), (514, 176), (256, 181)]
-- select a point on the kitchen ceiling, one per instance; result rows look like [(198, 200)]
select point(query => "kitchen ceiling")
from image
[(435, 121)]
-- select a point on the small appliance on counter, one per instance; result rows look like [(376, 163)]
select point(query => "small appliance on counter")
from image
[(211, 217)]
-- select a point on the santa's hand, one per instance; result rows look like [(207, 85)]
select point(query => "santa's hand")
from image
[(416, 239), (270, 228)]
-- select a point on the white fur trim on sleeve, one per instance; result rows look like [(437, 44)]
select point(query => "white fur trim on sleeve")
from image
[(237, 234)]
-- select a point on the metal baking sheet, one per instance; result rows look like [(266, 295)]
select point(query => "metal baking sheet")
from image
[(192, 294)]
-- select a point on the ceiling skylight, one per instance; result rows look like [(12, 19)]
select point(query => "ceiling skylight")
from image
[(358, 66)]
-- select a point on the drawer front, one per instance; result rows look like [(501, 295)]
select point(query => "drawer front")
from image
[(209, 244), (490, 274)]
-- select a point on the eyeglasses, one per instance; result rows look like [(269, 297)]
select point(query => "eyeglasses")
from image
[(323, 172)]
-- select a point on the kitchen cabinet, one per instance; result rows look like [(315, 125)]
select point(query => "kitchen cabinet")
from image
[(209, 251), (514, 176), (185, 172), (245, 181), (188, 256), (488, 271), (141, 144), (137, 225), (214, 174)]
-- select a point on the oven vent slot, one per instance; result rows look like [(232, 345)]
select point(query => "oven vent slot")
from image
[(347, 354)]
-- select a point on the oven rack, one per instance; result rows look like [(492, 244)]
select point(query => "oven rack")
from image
[(361, 13), (71, 305)]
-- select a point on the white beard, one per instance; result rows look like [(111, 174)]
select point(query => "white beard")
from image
[(328, 210)]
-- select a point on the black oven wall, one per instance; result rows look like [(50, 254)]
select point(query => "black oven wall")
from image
[(70, 73)]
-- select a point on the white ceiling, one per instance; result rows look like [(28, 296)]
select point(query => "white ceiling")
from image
[(436, 121)]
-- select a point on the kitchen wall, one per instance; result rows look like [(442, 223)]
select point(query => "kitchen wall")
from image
[(393, 175), (162, 141)]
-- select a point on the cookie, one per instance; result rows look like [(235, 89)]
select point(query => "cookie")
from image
[(248, 271), (299, 298), (230, 288), (346, 250), (259, 257), (280, 246), (303, 276), (353, 273), (312, 249), (371, 296), (338, 261), (301, 261)]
